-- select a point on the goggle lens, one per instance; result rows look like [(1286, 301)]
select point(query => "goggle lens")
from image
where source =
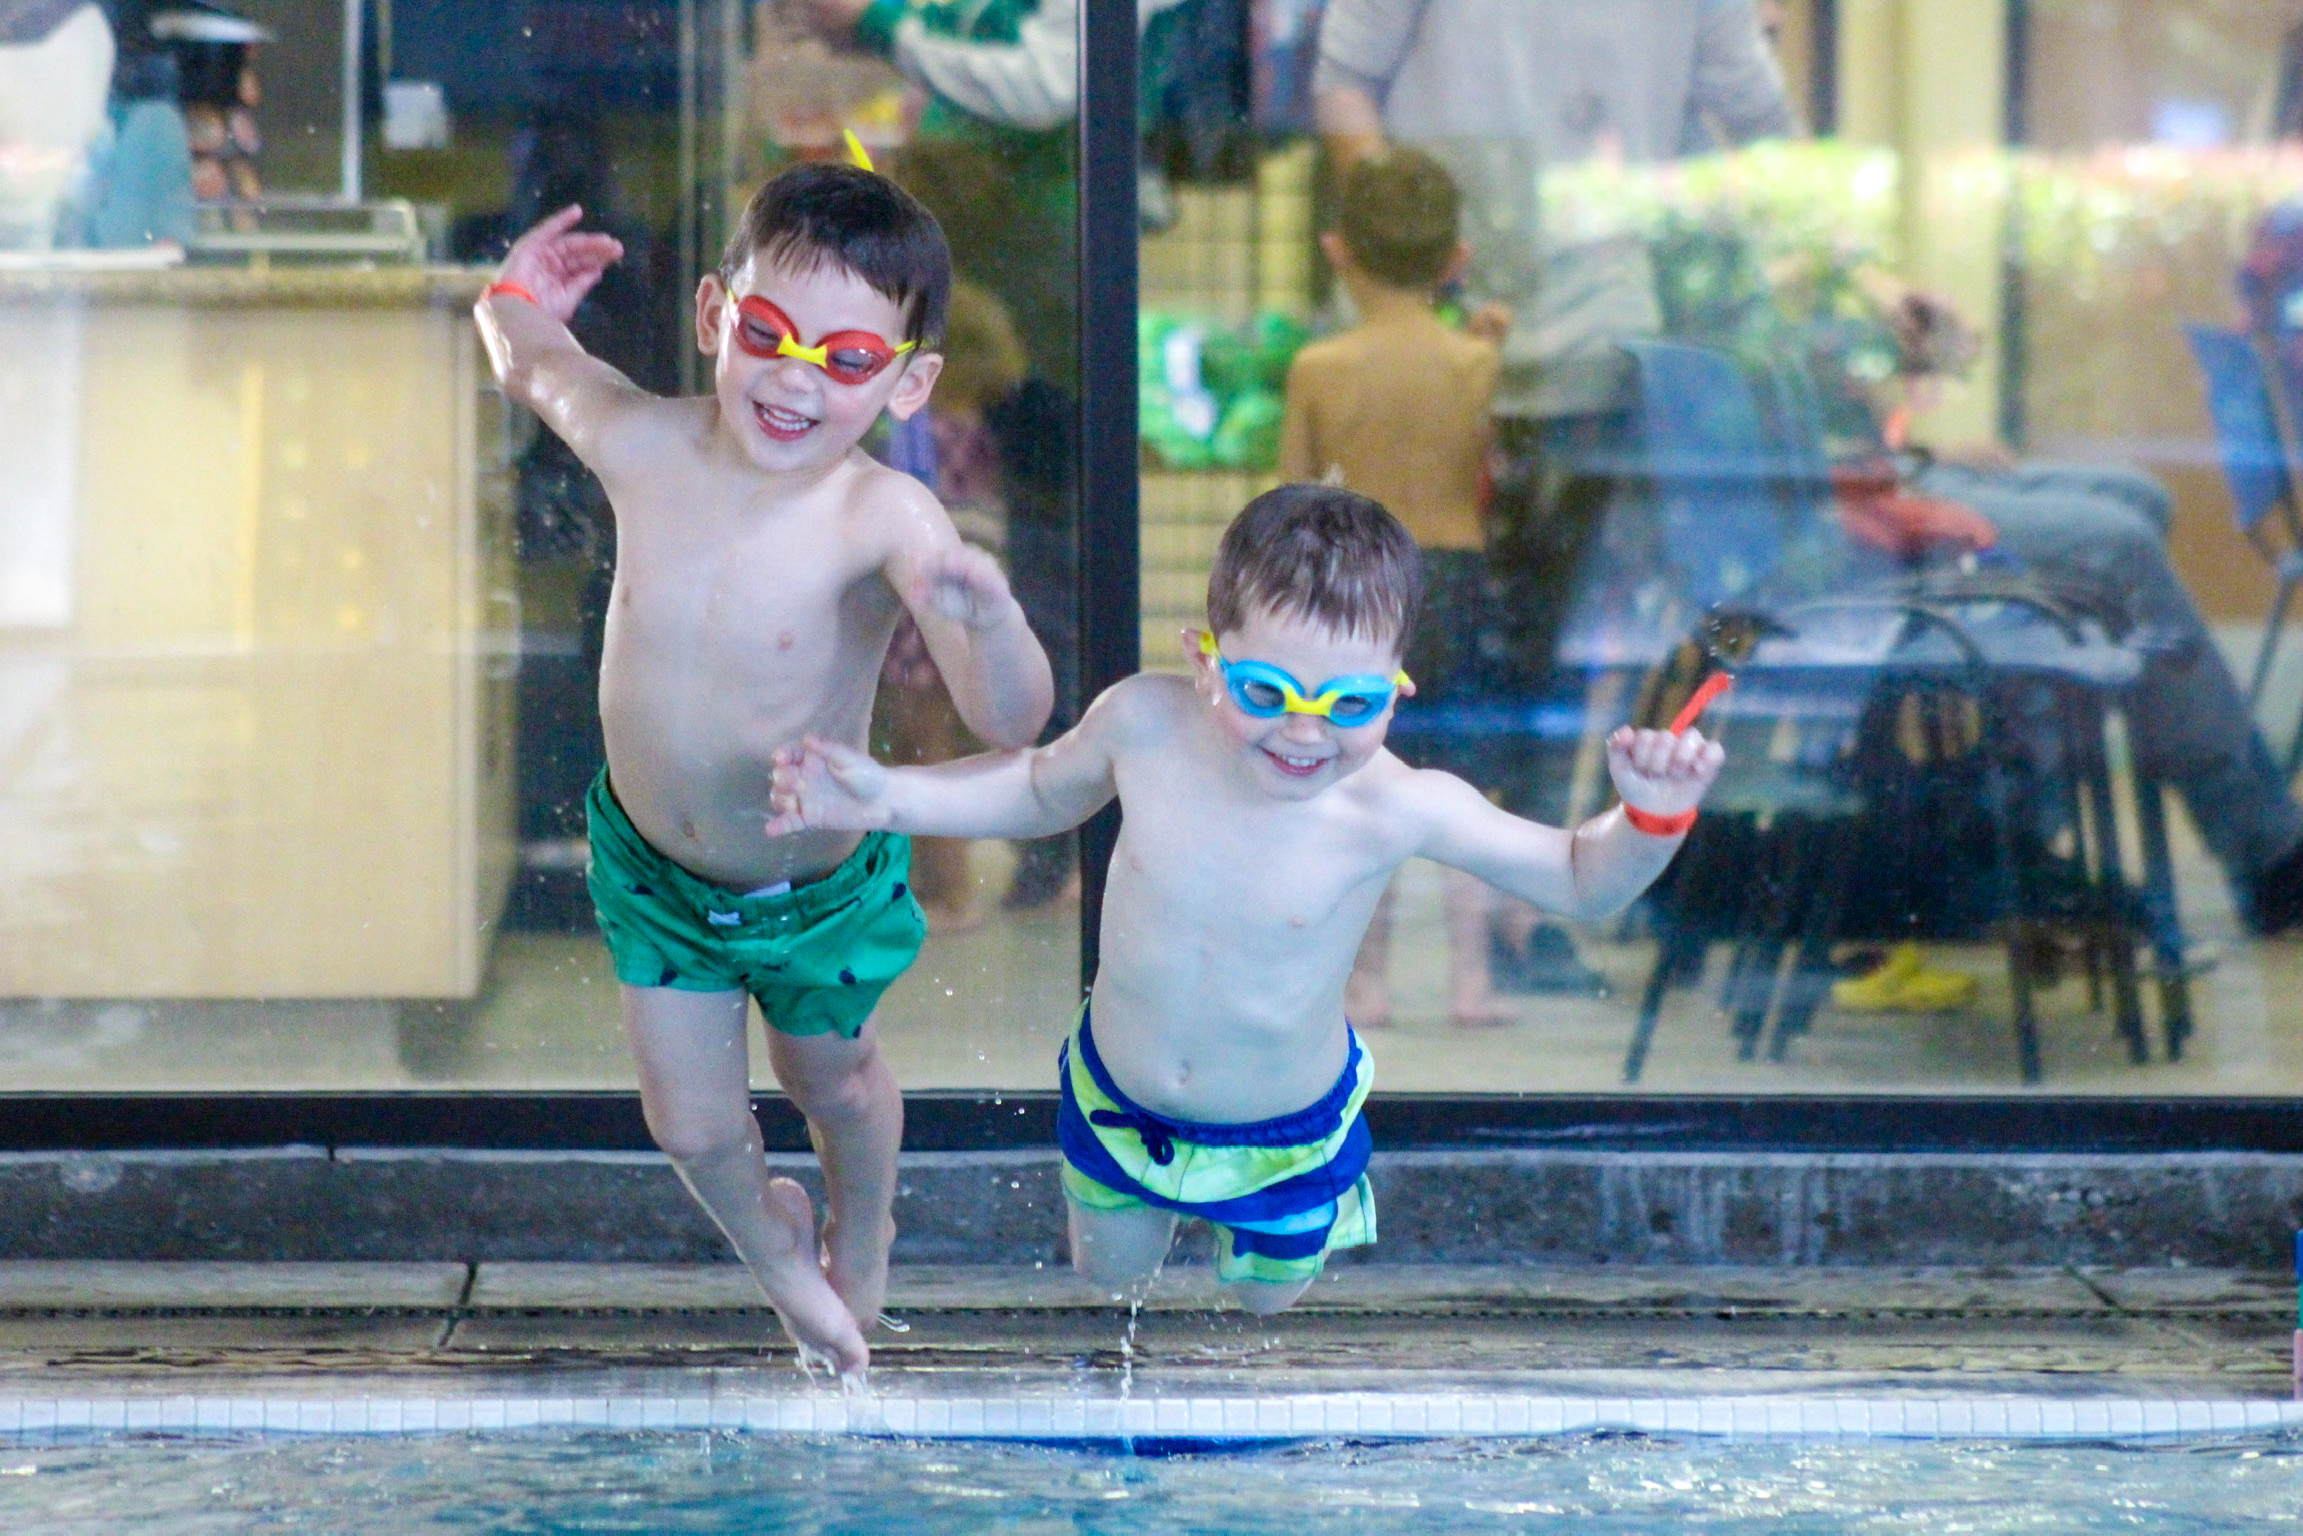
[(1259, 698), (851, 357)]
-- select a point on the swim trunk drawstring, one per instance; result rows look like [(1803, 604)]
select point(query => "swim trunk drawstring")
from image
[(1154, 1135)]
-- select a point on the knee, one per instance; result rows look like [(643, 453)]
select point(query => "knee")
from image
[(689, 1132), (852, 1083)]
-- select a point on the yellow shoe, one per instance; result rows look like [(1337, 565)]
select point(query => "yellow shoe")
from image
[(1904, 985)]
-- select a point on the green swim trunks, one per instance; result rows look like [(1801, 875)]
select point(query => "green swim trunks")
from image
[(817, 957)]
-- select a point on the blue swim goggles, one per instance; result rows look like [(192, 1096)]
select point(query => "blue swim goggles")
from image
[(1265, 692)]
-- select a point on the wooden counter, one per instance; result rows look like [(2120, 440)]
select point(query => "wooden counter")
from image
[(257, 635)]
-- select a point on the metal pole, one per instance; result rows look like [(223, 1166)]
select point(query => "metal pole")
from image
[(1109, 527), (350, 190), (691, 370)]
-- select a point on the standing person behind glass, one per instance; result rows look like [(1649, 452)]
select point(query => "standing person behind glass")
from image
[(1499, 91), (1396, 408)]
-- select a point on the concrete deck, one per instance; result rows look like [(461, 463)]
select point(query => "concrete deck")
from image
[(95, 1329)]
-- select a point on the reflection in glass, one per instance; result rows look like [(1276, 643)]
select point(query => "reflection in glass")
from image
[(1898, 422), (303, 625)]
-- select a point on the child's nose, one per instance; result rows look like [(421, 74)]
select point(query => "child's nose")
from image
[(794, 371), (1308, 729)]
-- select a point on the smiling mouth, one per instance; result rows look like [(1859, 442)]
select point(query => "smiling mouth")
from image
[(1295, 767), (782, 425)]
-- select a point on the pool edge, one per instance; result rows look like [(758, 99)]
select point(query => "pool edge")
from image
[(1198, 1418)]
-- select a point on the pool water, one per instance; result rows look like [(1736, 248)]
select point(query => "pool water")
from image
[(553, 1481)]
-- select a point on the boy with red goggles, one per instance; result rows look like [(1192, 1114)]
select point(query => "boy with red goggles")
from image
[(763, 561)]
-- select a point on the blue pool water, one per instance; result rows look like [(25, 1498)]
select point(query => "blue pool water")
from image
[(555, 1481)]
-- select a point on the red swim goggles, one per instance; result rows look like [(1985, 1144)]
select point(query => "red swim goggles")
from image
[(851, 357)]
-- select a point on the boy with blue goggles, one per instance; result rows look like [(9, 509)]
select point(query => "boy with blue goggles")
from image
[(1212, 1075)]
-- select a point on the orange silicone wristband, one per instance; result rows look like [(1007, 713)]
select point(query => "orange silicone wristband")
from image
[(1659, 826), (510, 290)]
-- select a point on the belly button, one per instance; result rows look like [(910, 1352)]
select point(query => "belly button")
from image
[(688, 829), (784, 641), (1295, 922)]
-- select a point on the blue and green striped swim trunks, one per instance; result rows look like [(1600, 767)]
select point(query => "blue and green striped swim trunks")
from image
[(1282, 1193)]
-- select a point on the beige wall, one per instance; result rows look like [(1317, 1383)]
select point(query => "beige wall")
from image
[(265, 749)]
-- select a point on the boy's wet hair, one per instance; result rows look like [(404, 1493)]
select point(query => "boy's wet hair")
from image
[(858, 219), (1399, 216), (1322, 553)]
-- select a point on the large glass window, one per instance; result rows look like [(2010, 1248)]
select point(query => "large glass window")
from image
[(1927, 365), (1930, 366), (300, 623)]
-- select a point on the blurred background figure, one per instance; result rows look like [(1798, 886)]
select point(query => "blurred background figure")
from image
[(219, 90), (1499, 92), (55, 76)]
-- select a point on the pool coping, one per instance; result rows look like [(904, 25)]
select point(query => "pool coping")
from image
[(1212, 1417)]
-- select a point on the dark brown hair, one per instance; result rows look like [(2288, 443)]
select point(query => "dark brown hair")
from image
[(1398, 217), (1322, 553), (857, 219)]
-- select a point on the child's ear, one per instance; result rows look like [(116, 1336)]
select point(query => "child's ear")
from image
[(1454, 270), (918, 381), (711, 313), (1201, 663), (1332, 247)]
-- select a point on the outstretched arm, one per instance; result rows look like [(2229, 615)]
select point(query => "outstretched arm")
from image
[(523, 319), (1602, 866), (829, 786), (976, 631)]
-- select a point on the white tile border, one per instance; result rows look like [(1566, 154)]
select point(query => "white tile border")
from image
[(1234, 1417)]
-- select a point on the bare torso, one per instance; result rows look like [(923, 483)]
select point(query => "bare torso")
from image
[(747, 613), (1231, 920)]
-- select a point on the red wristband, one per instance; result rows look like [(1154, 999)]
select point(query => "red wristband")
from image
[(1658, 826), (510, 290)]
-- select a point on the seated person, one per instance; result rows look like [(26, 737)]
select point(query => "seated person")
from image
[(2099, 527)]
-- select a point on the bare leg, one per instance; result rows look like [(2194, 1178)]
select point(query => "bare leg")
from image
[(1515, 920), (856, 1119), (1367, 996), (1265, 1297), (1121, 1251), (695, 1084), (1472, 1002)]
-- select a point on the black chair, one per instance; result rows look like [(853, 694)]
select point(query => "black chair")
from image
[(1898, 738)]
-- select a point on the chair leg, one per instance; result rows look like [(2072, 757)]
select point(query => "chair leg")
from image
[(2270, 644), (2008, 893), (2026, 1018), (1670, 955), (1810, 979), (2108, 890), (2162, 917)]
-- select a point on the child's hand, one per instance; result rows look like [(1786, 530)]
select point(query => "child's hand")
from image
[(558, 265), (966, 584), (827, 786), (1661, 773)]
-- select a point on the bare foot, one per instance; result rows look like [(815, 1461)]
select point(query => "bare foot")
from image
[(1481, 1011), (812, 1312), (858, 1269)]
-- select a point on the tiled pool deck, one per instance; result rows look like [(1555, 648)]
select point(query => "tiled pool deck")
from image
[(1377, 1350)]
